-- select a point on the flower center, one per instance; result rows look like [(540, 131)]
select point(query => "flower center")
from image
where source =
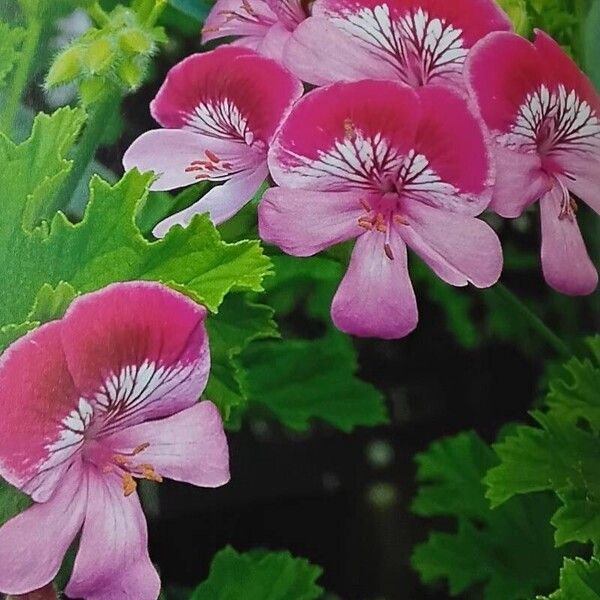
[(212, 167), (245, 14)]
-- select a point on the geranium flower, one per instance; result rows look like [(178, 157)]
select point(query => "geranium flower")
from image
[(544, 116), (415, 42), (263, 25), (91, 403), (380, 162), (220, 110)]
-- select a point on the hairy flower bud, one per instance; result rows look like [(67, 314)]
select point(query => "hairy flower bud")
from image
[(66, 67), (99, 55)]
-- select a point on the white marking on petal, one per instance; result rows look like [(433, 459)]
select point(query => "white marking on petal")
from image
[(220, 119)]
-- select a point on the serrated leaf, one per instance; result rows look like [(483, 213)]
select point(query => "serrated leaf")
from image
[(301, 380), (10, 42), (51, 303), (579, 580), (12, 332), (259, 576)]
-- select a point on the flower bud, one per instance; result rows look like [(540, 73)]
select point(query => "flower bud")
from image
[(65, 68), (91, 90), (135, 41), (131, 74), (517, 13), (99, 55)]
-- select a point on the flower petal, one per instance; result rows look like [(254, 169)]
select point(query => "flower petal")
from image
[(289, 12), (376, 298), (136, 351), (221, 202), (236, 17), (346, 136), (181, 158), (565, 261), (43, 419), (190, 446), (585, 181), (320, 53), (304, 222), (112, 562), (458, 248), (272, 45), (33, 544), (228, 93)]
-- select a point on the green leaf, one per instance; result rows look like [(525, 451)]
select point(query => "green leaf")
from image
[(509, 551), (259, 576), (197, 9), (579, 580), (12, 502), (237, 324), (299, 380), (10, 42), (13, 331), (591, 46), (52, 303)]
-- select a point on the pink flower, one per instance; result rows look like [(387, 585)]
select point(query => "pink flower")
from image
[(544, 116), (380, 162), (263, 25), (416, 42), (220, 110), (90, 403)]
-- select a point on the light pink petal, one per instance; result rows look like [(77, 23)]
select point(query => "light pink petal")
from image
[(180, 158), (112, 562), (228, 93), (221, 203), (321, 53), (346, 136), (376, 298), (585, 181), (458, 248), (235, 17), (565, 261), (289, 12), (190, 446), (440, 175), (274, 42), (43, 420), (137, 351), (304, 222), (520, 181), (33, 544), (424, 42)]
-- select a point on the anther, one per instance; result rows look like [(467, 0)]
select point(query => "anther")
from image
[(365, 223), (400, 220), (380, 223), (349, 129), (388, 251), (149, 473), (212, 156), (129, 484), (248, 8), (366, 205), (140, 448)]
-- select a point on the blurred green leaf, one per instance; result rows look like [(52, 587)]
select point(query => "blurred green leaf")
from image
[(579, 580), (197, 9), (10, 42), (12, 502), (591, 43)]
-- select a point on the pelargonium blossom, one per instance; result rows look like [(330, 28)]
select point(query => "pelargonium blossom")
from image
[(90, 404), (380, 162), (219, 111), (417, 42), (544, 118), (263, 25)]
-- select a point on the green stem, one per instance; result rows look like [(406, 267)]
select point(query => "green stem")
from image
[(88, 144), (534, 321), (34, 30), (98, 14)]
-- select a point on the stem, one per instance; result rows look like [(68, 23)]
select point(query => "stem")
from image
[(98, 14), (34, 30), (87, 146), (534, 321)]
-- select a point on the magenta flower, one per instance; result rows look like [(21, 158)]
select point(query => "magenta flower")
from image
[(380, 162), (220, 110), (263, 25), (543, 114), (416, 43), (91, 403)]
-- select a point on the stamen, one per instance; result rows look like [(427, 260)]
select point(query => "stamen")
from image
[(380, 223), (129, 484), (149, 473), (349, 129), (366, 223), (248, 8), (212, 156), (120, 460), (388, 251), (568, 205), (140, 448), (366, 205), (400, 220)]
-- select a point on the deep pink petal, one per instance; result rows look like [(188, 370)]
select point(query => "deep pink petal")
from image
[(304, 222), (43, 420), (346, 136), (458, 248), (320, 53), (190, 446), (33, 544), (235, 17), (222, 202), (565, 261), (469, 170), (181, 158), (376, 298), (520, 181), (136, 351), (228, 93), (112, 562)]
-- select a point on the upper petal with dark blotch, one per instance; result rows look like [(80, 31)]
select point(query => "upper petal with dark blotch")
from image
[(238, 17)]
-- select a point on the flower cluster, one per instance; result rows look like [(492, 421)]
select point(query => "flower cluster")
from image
[(430, 112)]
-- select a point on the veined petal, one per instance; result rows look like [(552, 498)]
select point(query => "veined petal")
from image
[(289, 12), (458, 248), (304, 222), (112, 562), (273, 43), (136, 351), (222, 202), (376, 298), (228, 93), (190, 446), (33, 544), (180, 157), (584, 179), (565, 261), (238, 17), (346, 136), (44, 417)]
